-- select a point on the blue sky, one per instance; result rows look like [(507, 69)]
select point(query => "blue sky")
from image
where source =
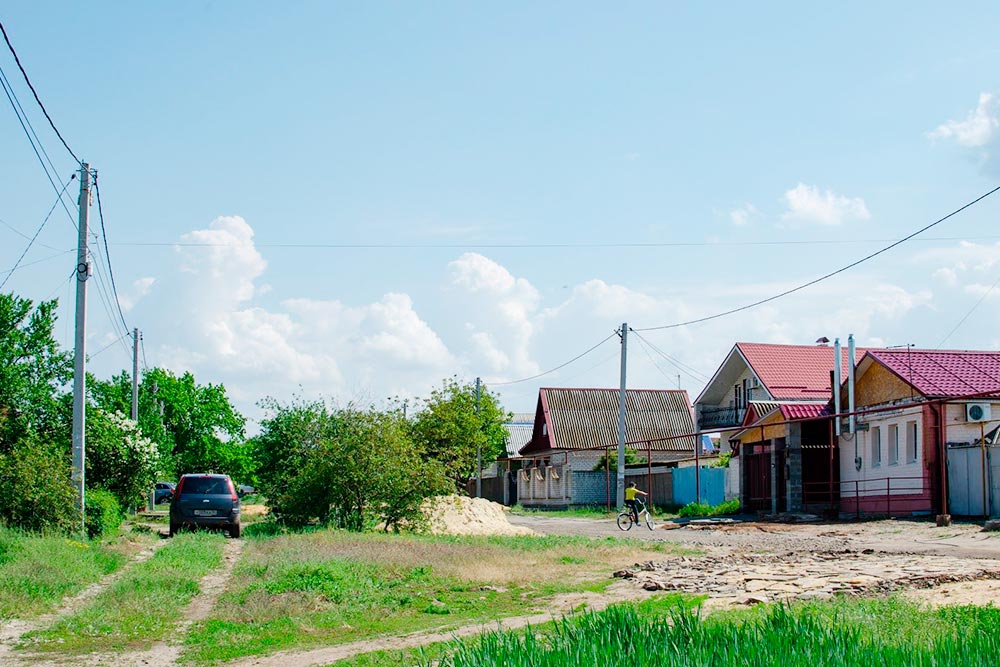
[(452, 129)]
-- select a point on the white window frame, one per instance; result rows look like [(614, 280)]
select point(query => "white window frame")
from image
[(912, 442), (894, 444), (876, 446)]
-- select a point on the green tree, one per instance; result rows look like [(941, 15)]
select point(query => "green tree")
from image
[(33, 371), (35, 488), (452, 425), (348, 467), (195, 426)]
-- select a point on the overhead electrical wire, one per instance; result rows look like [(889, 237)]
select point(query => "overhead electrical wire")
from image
[(523, 246), (553, 370), (37, 232), (39, 261), (35, 93), (23, 235), (104, 236), (690, 371), (823, 277), (966, 316), (142, 346), (25, 124), (643, 347), (117, 340)]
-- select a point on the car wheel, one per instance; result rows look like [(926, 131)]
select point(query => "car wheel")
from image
[(174, 529), (234, 530)]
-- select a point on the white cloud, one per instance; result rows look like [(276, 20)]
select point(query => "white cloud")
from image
[(979, 127), (135, 293), (743, 214), (806, 203)]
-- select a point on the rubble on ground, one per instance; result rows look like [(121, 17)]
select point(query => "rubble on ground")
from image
[(751, 579)]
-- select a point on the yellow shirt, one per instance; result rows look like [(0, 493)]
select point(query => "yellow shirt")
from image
[(630, 493)]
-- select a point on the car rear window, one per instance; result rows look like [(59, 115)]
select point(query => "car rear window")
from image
[(206, 486)]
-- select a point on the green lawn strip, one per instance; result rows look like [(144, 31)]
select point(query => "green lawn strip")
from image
[(37, 571), (842, 633), (142, 606), (330, 587)]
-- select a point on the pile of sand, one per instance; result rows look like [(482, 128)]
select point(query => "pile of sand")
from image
[(459, 515)]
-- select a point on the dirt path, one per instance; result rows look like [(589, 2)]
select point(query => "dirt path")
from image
[(12, 631), (560, 606), (162, 653)]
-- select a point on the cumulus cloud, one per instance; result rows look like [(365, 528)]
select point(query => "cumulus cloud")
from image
[(499, 313), (743, 214), (806, 203), (139, 288), (978, 128)]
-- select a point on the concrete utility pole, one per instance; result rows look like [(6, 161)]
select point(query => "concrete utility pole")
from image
[(479, 447), (620, 496), (80, 348), (135, 375)]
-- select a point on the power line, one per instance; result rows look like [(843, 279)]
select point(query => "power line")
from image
[(553, 370), (25, 123), (39, 261), (117, 340), (37, 232), (690, 371), (33, 92), (142, 346), (642, 345), (104, 236), (22, 234), (526, 246), (824, 277), (971, 310)]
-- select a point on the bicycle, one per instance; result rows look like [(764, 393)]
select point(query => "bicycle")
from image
[(625, 520)]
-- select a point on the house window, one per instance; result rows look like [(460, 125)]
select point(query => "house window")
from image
[(545, 429), (911, 442), (876, 442), (893, 444)]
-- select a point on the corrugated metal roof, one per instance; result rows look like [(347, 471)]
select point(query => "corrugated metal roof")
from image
[(518, 432), (944, 373), (804, 410), (588, 418), (795, 372)]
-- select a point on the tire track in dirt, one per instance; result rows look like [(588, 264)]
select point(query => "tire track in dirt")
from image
[(166, 653), (561, 606), (12, 631)]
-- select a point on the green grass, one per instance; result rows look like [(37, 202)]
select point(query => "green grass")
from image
[(142, 606), (37, 571), (329, 587), (842, 633)]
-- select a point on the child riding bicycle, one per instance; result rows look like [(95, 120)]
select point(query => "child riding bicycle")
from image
[(630, 493)]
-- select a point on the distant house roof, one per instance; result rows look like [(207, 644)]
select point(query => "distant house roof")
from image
[(941, 373), (588, 419), (805, 411), (787, 372), (518, 431), (795, 372)]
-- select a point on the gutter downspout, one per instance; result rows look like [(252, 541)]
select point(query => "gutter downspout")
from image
[(850, 399)]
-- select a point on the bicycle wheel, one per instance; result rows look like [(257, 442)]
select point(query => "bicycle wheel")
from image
[(624, 521), (649, 520)]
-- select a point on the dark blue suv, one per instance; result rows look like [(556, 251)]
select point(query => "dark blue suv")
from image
[(205, 501)]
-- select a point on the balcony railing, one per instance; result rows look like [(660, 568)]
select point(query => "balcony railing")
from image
[(709, 418)]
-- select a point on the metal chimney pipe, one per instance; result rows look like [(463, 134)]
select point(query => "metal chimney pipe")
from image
[(836, 386), (850, 381)]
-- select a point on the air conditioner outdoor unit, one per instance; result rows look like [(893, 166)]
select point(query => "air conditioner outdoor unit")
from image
[(977, 412)]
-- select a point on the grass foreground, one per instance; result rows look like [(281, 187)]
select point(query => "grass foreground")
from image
[(887, 632), (38, 571), (328, 587)]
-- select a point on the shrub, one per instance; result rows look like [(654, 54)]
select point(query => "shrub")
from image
[(104, 514), (39, 494), (701, 509)]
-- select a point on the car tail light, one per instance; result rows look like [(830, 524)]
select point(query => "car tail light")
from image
[(232, 490), (177, 489)]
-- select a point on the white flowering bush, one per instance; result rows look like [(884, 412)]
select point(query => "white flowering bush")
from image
[(119, 458)]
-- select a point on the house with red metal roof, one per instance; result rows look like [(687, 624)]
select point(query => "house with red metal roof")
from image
[(771, 403), (575, 437), (924, 438)]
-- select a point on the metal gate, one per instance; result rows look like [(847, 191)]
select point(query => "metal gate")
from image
[(974, 480)]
